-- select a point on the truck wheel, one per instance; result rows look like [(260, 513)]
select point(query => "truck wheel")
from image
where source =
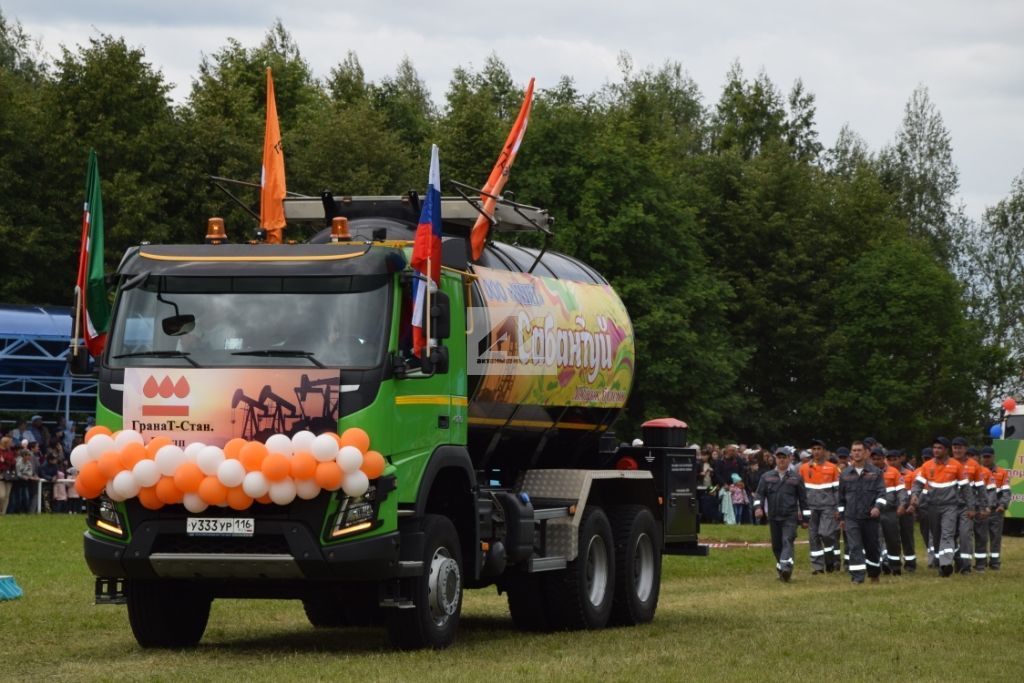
[(437, 594), (637, 565), (325, 612), (526, 603), (166, 614), (580, 596)]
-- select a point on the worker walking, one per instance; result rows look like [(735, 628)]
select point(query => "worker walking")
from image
[(783, 492), (821, 480), (906, 520), (969, 507), (885, 461), (861, 497), (985, 496), (1001, 484), (946, 483)]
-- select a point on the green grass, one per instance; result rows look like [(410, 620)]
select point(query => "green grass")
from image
[(722, 618)]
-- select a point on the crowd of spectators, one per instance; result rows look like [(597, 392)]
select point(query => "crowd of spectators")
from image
[(728, 476), (35, 473)]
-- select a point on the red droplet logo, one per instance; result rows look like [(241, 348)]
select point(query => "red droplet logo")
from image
[(166, 388), (150, 388), (181, 388)]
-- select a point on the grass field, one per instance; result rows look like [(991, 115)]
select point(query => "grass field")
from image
[(722, 618)]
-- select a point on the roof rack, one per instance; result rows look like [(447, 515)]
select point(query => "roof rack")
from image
[(458, 214)]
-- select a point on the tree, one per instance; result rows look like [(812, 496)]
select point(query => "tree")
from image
[(404, 102), (918, 168)]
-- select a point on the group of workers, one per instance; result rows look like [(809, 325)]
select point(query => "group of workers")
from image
[(959, 496)]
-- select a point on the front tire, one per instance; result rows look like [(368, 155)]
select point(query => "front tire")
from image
[(166, 614), (580, 596), (437, 593), (637, 565)]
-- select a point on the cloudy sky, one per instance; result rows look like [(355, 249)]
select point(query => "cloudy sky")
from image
[(861, 59)]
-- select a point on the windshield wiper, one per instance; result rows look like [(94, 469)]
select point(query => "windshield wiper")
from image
[(159, 354), (282, 353)]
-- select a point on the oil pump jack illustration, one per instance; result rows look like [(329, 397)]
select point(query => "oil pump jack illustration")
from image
[(270, 413), (329, 390)]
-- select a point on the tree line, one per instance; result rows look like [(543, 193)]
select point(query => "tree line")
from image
[(780, 288)]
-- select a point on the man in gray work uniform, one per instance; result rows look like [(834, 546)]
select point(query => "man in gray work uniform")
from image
[(782, 490), (861, 494)]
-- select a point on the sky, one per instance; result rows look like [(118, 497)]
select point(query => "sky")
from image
[(862, 60)]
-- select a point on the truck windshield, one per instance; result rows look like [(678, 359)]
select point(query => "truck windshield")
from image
[(251, 322)]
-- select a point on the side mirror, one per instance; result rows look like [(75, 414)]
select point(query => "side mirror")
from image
[(440, 316), (80, 364), (177, 325)]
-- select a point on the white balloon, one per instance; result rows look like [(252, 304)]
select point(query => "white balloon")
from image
[(193, 503), (146, 472), (303, 441), (355, 483), (350, 458), (112, 494), (255, 485), (126, 437), (325, 448), (168, 459), (80, 455), (279, 443), (192, 450), (282, 492), (231, 473), (209, 459), (125, 485), (307, 489), (100, 444)]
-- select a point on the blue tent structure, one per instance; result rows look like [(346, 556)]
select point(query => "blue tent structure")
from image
[(34, 346)]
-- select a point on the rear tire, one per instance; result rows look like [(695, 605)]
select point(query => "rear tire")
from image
[(580, 596), (437, 593), (166, 614), (637, 565)]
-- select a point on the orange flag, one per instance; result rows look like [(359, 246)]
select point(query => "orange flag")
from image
[(499, 175), (272, 189)]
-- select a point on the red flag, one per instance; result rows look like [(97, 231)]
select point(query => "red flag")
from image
[(499, 175), (272, 187), (426, 250)]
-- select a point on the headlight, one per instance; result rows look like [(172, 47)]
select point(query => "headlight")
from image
[(356, 514), (102, 515)]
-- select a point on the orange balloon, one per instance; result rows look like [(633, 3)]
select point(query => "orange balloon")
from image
[(373, 464), (188, 477), (84, 491), (303, 465), (354, 436), (328, 475), (98, 429), (264, 499), (212, 492), (168, 492), (149, 499), (91, 477), (132, 454), (252, 455), (110, 464), (275, 467), (233, 448), (238, 499), (156, 443)]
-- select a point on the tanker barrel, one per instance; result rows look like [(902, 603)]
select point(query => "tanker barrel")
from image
[(664, 432)]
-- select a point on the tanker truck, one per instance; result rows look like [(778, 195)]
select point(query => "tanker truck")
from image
[(500, 466)]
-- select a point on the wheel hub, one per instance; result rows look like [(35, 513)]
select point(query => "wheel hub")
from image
[(443, 586)]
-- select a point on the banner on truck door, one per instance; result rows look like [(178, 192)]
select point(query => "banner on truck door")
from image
[(214, 405), (550, 342), (1010, 455)]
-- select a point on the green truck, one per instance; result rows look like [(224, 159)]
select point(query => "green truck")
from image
[(500, 466)]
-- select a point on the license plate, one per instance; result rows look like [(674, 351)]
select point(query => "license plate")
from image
[(220, 526)]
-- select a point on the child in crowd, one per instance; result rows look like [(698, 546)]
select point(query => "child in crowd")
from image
[(60, 493), (74, 500), (740, 502)]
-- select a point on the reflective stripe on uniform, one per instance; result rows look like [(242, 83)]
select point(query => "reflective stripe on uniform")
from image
[(873, 564), (947, 551), (910, 558), (894, 558), (980, 556), (807, 513), (857, 567), (994, 555), (822, 487), (892, 489), (944, 485), (965, 556), (880, 501)]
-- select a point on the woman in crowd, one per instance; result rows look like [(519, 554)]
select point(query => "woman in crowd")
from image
[(8, 460)]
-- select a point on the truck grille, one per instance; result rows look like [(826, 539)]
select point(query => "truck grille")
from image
[(256, 545)]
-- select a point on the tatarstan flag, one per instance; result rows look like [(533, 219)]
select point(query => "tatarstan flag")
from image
[(90, 290)]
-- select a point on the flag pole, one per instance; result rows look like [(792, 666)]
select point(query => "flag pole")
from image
[(78, 321), (426, 326)]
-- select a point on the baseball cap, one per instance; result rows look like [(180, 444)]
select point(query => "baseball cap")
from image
[(35, 417), (817, 442), (988, 450), (892, 453), (941, 440), (843, 452), (959, 441), (877, 451)]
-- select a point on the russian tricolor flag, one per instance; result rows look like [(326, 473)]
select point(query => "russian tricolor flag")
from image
[(426, 251)]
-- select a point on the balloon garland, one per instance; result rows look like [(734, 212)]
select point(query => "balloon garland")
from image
[(284, 468)]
